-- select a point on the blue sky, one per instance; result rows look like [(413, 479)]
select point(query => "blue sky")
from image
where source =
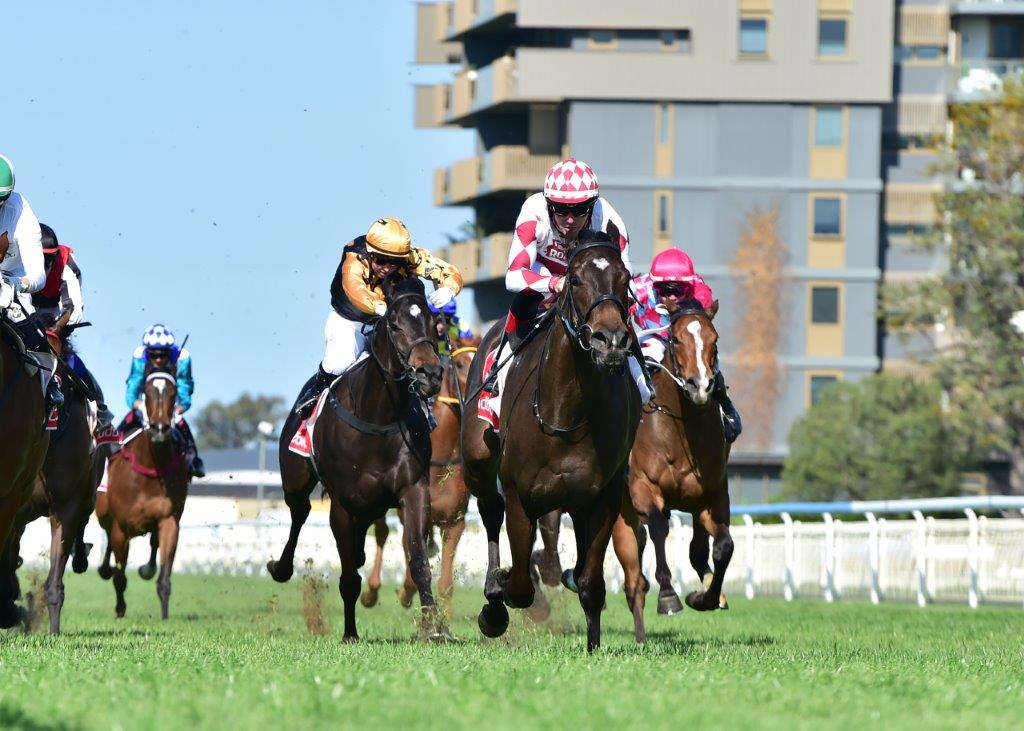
[(208, 160)]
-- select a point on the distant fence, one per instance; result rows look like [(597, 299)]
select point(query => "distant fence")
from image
[(862, 555)]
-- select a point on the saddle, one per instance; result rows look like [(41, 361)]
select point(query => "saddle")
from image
[(13, 335)]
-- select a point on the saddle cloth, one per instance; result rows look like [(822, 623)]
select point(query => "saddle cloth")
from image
[(486, 408), (302, 441)]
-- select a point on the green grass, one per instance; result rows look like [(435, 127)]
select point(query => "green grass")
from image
[(236, 653)]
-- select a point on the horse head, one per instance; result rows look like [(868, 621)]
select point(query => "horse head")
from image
[(411, 340), (463, 351), (160, 394), (693, 349), (593, 304)]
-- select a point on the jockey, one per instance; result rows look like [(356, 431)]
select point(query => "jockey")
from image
[(21, 274), (446, 320), (158, 347), (357, 297), (672, 280), (548, 226), (62, 292)]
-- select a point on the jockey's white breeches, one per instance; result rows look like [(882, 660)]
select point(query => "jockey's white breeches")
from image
[(345, 342)]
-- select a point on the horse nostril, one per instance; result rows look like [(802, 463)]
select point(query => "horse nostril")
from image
[(621, 340)]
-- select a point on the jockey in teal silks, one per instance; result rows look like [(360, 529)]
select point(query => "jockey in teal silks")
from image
[(158, 346)]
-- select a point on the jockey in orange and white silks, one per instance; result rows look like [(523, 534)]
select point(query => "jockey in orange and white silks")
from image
[(357, 297), (547, 228), (21, 274), (672, 279)]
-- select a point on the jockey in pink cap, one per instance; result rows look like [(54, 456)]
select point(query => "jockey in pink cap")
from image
[(547, 228), (672, 280)]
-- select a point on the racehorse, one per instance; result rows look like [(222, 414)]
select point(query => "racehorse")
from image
[(679, 463), (371, 451), (569, 415), (449, 497), (66, 488), (147, 484), (23, 443)]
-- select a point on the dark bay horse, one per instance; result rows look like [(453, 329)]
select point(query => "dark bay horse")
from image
[(569, 413), (679, 462), (449, 497), (147, 484), (371, 451), (23, 443), (66, 488)]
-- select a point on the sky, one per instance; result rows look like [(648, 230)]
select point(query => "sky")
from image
[(208, 160)]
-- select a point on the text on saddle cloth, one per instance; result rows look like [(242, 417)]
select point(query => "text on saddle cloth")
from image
[(302, 441)]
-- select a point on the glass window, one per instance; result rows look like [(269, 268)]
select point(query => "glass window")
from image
[(668, 37), (928, 53), (818, 384), (663, 124), (831, 37), (828, 217), (825, 305), (602, 37), (1007, 40), (685, 42), (902, 53), (754, 36), (828, 126), (663, 214)]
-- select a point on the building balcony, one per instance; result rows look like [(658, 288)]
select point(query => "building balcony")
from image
[(480, 260), (986, 7), (974, 79), (479, 15), (432, 105), (432, 46), (489, 88), (502, 169)]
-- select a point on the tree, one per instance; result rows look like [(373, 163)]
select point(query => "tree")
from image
[(223, 426), (883, 437), (980, 223)]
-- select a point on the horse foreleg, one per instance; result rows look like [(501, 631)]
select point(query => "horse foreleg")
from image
[(546, 559), (81, 549), (119, 546), (415, 507), (10, 613), (518, 586), (62, 533), (298, 503), (493, 618), (627, 549), (105, 521), (148, 570), (450, 537), (715, 521), (344, 529), (372, 593), (598, 528), (668, 600), (168, 543)]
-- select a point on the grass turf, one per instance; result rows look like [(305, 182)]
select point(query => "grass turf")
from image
[(237, 653)]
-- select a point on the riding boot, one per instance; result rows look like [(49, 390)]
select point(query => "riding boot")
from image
[(191, 451), (730, 416), (48, 366), (314, 386)]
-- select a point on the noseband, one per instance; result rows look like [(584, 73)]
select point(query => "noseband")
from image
[(575, 321)]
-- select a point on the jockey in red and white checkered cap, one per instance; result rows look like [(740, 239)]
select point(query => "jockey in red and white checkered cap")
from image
[(548, 226), (672, 280)]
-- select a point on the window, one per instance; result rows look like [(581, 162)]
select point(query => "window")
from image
[(828, 126), (668, 38), (753, 36), (818, 384), (828, 217), (664, 124), (663, 219), (603, 38), (831, 36), (1007, 40), (825, 305), (927, 53), (675, 40)]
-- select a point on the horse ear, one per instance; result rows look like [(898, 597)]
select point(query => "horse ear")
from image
[(613, 232), (712, 310)]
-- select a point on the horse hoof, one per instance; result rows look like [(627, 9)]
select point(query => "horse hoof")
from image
[(147, 571), (12, 617), (441, 635), (105, 572), (569, 581), (548, 573), (369, 598), (80, 564), (279, 572), (698, 600), (540, 610), (669, 604), (350, 639), (493, 626), (723, 603), (404, 597)]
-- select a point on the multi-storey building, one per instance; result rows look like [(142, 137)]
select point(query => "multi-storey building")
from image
[(695, 113)]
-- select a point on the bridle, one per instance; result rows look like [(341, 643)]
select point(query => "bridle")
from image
[(156, 376), (405, 373), (452, 373), (575, 321), (674, 373)]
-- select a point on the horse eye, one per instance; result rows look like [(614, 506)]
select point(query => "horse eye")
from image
[(574, 281)]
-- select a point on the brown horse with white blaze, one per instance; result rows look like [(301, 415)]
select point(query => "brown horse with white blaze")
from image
[(679, 462), (569, 413), (147, 486)]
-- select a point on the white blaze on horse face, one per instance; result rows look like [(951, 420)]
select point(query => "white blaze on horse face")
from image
[(159, 384), (415, 310), (601, 263), (704, 383)]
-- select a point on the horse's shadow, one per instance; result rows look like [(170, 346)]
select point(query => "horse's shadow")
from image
[(16, 718), (673, 643)]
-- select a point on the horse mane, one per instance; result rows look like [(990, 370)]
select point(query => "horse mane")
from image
[(397, 286), (690, 306)]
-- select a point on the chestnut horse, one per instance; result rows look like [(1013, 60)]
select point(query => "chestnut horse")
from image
[(66, 488), (449, 497), (23, 443), (679, 462), (371, 451), (569, 415), (147, 484)]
